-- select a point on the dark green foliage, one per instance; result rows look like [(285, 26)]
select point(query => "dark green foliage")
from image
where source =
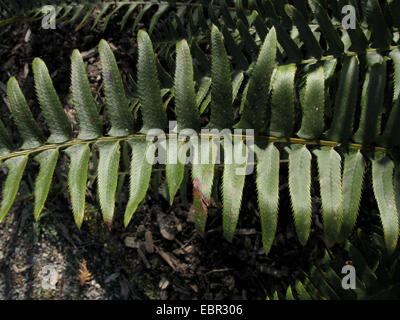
[(377, 273), (235, 69)]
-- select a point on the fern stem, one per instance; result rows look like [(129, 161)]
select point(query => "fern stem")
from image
[(142, 136), (348, 53)]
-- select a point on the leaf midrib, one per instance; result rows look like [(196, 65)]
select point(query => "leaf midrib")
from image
[(142, 136)]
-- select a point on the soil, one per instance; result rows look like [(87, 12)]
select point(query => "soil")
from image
[(159, 255)]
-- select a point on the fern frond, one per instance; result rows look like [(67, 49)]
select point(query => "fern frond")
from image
[(345, 102), (268, 192), (82, 100), (299, 188), (329, 170), (117, 103), (282, 102), (372, 100), (186, 109), (352, 180), (50, 104), (47, 160), (174, 168), (203, 176), (382, 177), (16, 167), (313, 104), (154, 116), (255, 109), (221, 85), (27, 126), (141, 166), (77, 179), (232, 189), (107, 177), (218, 95)]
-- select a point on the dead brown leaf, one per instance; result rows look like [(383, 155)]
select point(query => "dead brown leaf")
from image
[(84, 273)]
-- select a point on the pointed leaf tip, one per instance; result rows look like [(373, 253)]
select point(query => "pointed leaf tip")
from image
[(143, 153), (23, 118), (117, 103), (108, 177), (82, 99), (153, 112), (53, 111)]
